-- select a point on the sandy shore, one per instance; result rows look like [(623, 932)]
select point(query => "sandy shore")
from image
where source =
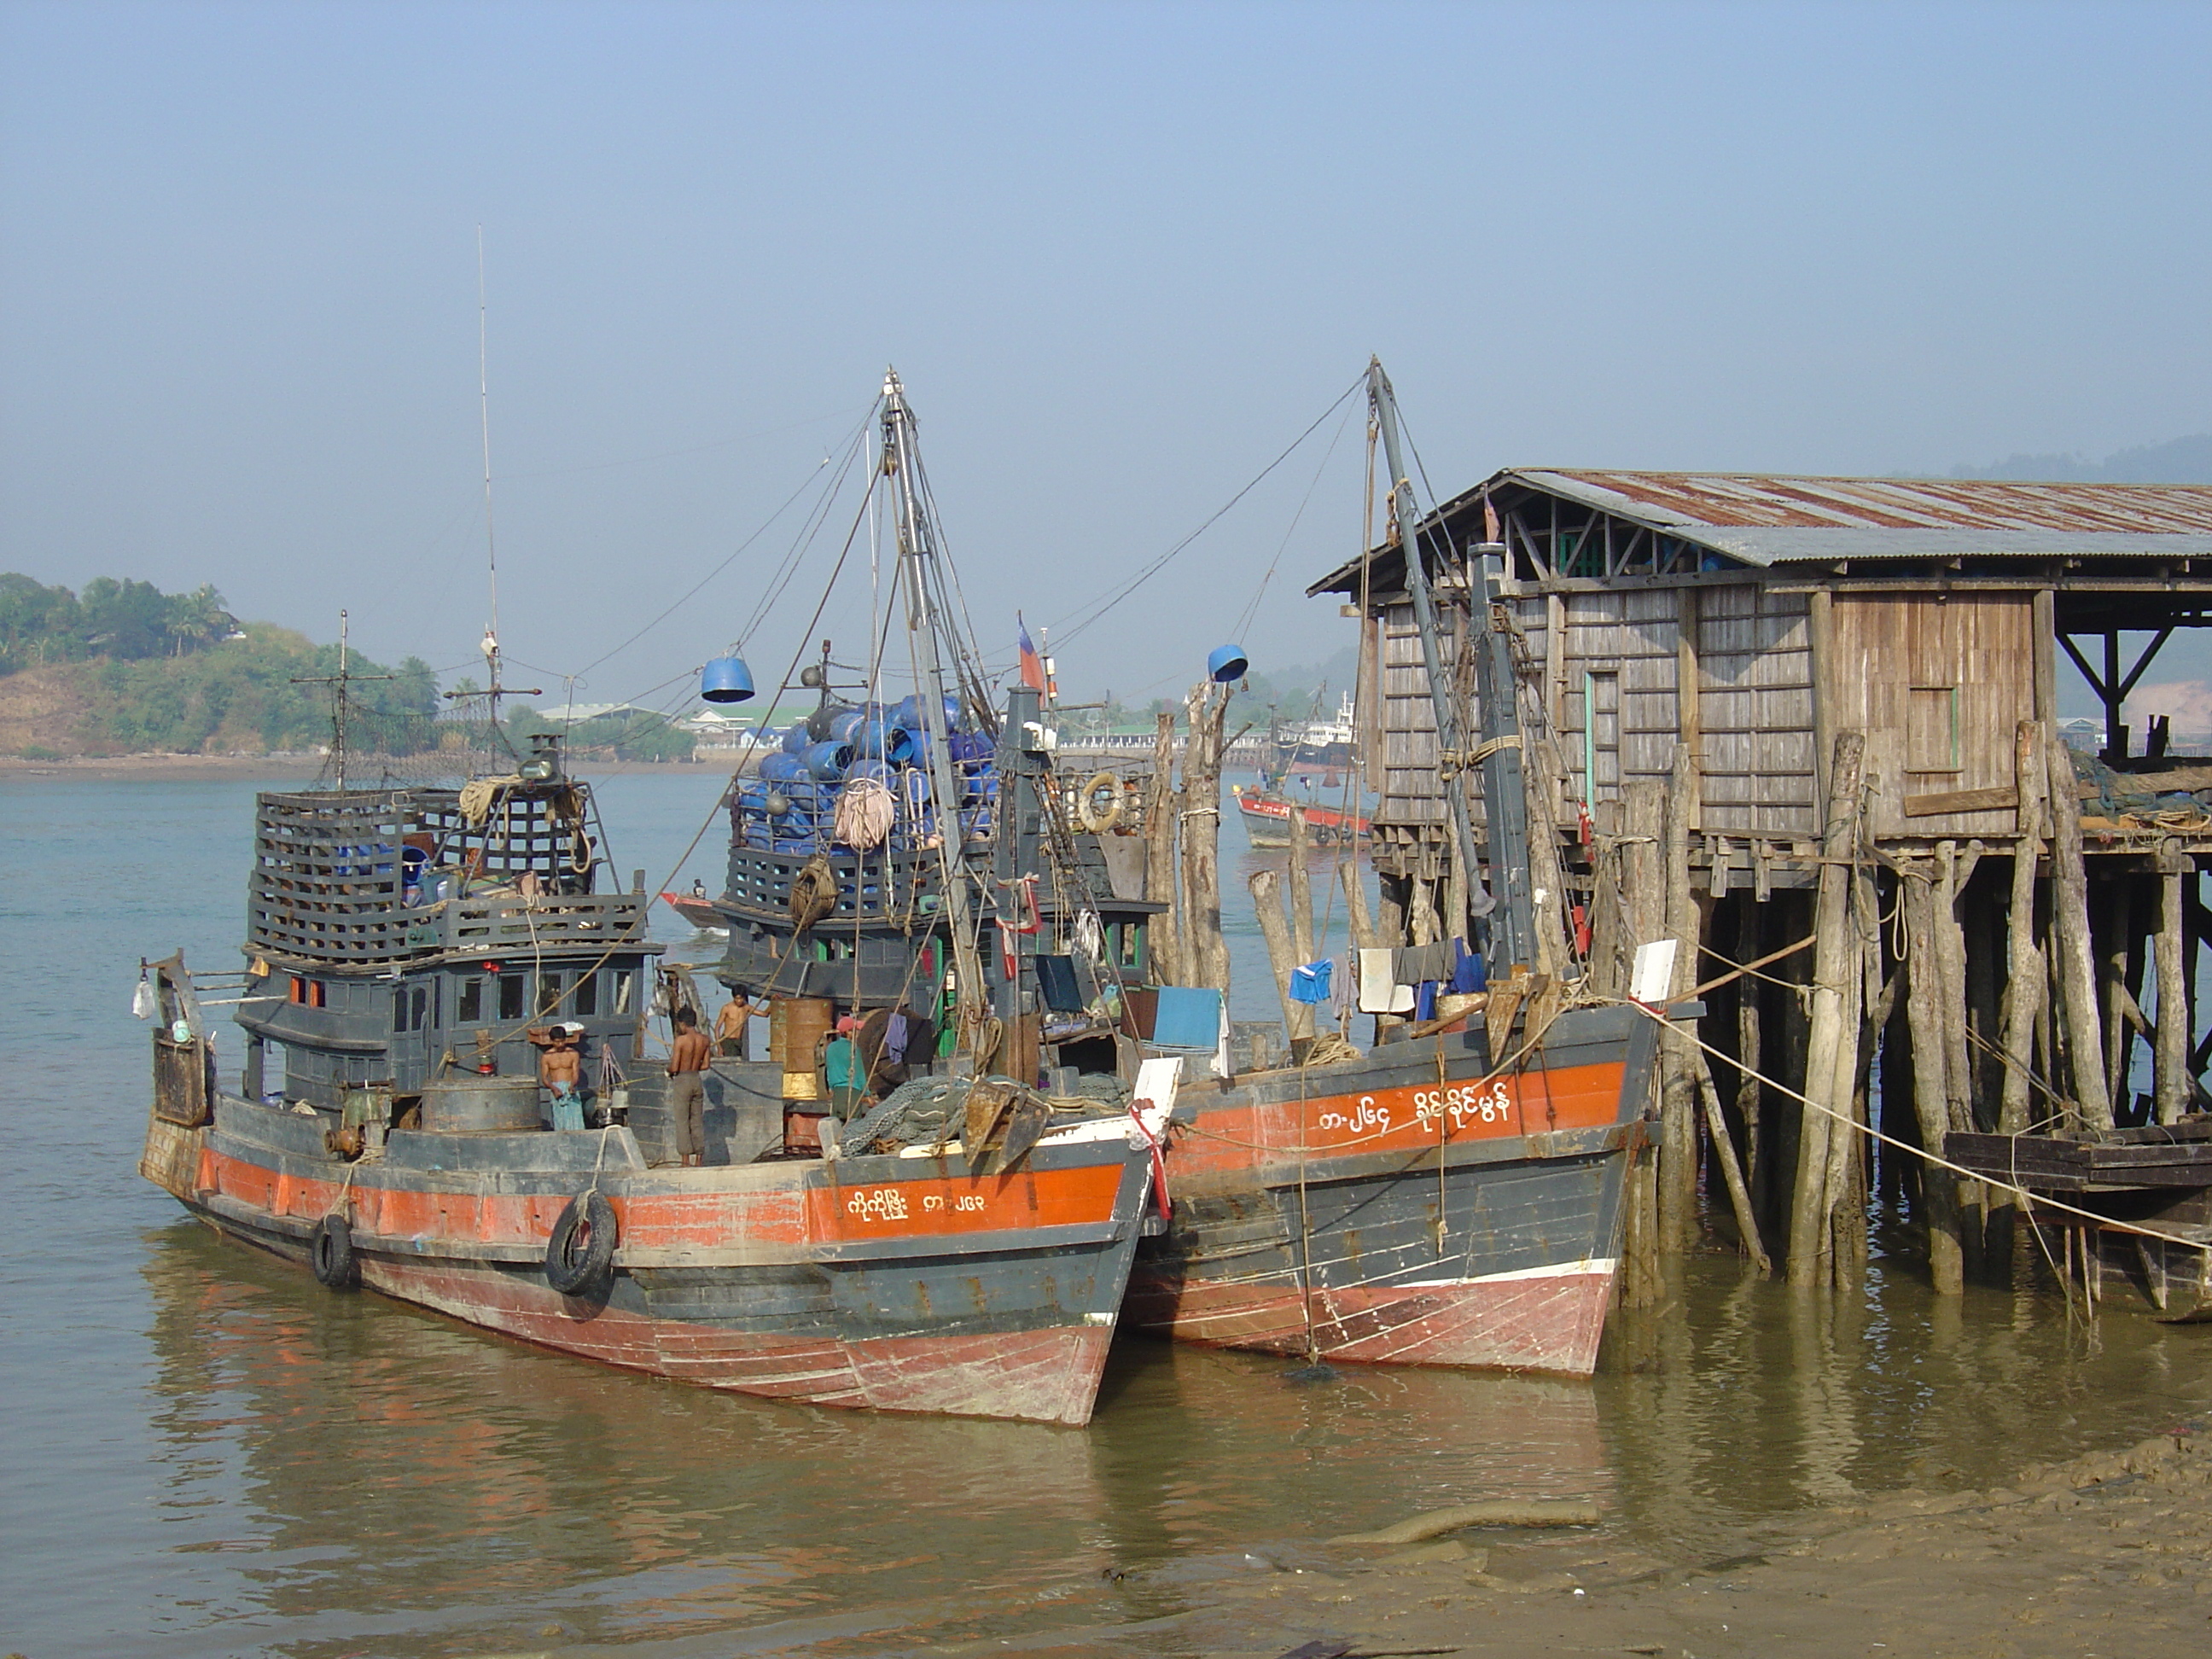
[(288, 767), (2108, 1555)]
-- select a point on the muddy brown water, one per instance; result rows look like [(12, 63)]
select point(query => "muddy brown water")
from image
[(206, 1454)]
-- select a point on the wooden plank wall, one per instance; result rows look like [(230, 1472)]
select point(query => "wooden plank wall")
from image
[(1939, 682), (1411, 791), (1755, 712), (1922, 674)]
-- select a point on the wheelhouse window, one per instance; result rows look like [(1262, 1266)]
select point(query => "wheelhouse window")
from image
[(513, 990), (472, 1001), (585, 1000)]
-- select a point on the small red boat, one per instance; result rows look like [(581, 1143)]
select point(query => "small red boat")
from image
[(697, 909), (1267, 818)]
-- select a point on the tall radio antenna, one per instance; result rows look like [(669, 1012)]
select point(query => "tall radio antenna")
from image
[(484, 414)]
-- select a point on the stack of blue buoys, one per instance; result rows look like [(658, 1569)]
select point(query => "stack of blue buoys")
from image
[(791, 805)]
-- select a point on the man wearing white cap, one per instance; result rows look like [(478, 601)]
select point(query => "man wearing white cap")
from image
[(560, 1069)]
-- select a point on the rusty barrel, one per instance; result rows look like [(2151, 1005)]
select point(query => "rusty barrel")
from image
[(796, 1026), (481, 1105)]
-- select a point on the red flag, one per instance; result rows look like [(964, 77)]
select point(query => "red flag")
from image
[(1032, 663)]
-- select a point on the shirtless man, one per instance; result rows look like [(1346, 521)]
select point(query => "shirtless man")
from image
[(687, 1088), (560, 1069), (733, 1024)]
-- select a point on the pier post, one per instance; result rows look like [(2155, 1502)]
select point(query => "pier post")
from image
[(1267, 906), (1301, 885), (2026, 973), (2076, 968), (1161, 822), (1832, 1047), (1678, 1101), (2171, 1074)]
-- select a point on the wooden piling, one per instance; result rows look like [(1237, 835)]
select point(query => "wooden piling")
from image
[(1678, 1100), (1747, 1219), (1360, 922), (1300, 881), (1643, 902), (1161, 823), (2026, 972), (1205, 951), (2171, 1072), (1748, 1089), (1267, 906), (1834, 1026), (1924, 1011), (2076, 972)]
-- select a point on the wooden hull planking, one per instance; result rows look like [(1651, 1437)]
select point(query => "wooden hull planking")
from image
[(1405, 1208), (887, 1283)]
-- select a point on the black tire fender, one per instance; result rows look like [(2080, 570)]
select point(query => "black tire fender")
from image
[(329, 1253), (580, 1253)]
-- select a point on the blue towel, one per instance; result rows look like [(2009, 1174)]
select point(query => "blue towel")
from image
[(1425, 999), (1309, 981), (895, 1039), (1469, 972), (1188, 1017)]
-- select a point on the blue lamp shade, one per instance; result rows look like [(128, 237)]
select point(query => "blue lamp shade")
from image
[(1227, 663), (726, 679)]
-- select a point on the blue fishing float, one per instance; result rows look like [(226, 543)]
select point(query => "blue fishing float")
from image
[(1227, 664), (726, 679)]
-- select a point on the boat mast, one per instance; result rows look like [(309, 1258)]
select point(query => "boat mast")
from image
[(917, 560), (1512, 926)]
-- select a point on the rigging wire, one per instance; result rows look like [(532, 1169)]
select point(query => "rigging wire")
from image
[(692, 592), (1098, 609), (1244, 617)]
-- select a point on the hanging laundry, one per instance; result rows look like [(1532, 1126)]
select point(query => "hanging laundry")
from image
[(1309, 981), (1416, 963), (1469, 974), (1380, 991)]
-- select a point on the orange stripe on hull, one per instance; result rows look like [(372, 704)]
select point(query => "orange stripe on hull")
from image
[(808, 1211), (1413, 1118)]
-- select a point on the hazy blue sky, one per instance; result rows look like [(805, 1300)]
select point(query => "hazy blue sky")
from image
[(1122, 255)]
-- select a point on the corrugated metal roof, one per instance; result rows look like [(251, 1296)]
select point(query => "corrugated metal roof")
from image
[(1766, 518)]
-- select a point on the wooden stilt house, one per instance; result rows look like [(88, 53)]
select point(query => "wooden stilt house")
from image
[(1818, 717)]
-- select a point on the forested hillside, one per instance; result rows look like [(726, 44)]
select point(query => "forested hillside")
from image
[(123, 668)]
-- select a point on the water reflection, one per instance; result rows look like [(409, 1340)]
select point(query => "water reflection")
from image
[(416, 1478)]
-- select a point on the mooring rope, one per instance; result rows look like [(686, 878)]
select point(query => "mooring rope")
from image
[(2029, 1200)]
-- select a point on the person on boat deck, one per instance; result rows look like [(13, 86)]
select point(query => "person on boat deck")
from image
[(841, 1076), (687, 1088), (733, 1024), (698, 888), (560, 1069)]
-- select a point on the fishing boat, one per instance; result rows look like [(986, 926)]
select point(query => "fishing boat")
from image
[(1265, 811), (412, 955), (1452, 1196), (697, 909)]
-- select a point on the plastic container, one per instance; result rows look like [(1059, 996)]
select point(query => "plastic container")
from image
[(826, 761), (725, 680)]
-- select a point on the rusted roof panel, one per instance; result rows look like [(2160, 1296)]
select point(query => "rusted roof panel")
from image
[(1768, 519), (1766, 501)]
